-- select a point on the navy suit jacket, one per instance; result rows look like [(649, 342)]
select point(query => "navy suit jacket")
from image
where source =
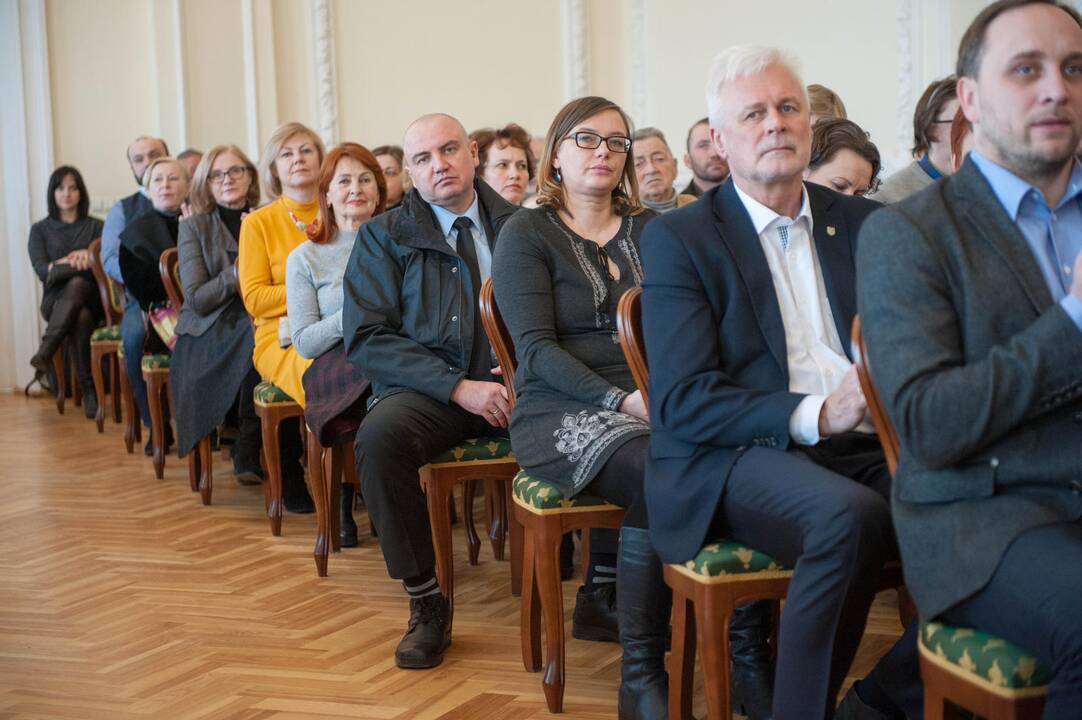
[(715, 343)]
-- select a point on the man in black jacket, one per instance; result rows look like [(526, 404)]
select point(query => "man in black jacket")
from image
[(411, 325)]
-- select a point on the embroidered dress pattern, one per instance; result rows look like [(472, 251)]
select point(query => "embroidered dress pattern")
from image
[(583, 437)]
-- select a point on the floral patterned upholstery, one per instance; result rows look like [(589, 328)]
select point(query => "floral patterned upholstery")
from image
[(120, 351), (543, 497), (729, 558), (983, 659), (109, 333), (481, 448), (267, 393), (155, 363)]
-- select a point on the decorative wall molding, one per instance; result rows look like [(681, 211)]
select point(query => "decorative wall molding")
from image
[(574, 25), (251, 86), (181, 75), (906, 97), (925, 53), (324, 64), (639, 39)]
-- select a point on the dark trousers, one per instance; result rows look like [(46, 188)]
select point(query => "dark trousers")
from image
[(1034, 600), (249, 432), (836, 533), (133, 335), (72, 318), (399, 434)]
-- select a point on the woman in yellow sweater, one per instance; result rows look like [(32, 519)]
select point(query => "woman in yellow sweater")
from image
[(289, 169)]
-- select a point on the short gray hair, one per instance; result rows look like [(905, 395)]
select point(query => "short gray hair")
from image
[(739, 61), (651, 132)]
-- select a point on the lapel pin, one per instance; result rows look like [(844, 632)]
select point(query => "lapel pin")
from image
[(830, 230)]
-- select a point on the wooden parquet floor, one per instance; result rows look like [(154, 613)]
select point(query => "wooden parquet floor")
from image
[(122, 597)]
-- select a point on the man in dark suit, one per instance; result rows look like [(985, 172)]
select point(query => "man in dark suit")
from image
[(970, 294), (758, 423)]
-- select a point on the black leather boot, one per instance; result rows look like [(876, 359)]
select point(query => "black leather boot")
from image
[(645, 603), (427, 636), (347, 527), (595, 617), (749, 647), (50, 343), (90, 400)]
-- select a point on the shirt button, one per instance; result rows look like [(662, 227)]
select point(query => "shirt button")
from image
[(994, 462), (454, 318), (1067, 269), (454, 269)]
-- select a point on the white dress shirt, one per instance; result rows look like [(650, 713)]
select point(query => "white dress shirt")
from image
[(817, 362)]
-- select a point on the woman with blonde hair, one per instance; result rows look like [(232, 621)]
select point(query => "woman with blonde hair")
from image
[(211, 374), (290, 172)]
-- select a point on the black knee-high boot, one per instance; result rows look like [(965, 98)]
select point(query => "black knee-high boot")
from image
[(644, 605), (749, 646)]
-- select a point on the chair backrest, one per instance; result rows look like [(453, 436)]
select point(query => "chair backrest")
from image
[(632, 342), (167, 268), (884, 428), (499, 338), (110, 291)]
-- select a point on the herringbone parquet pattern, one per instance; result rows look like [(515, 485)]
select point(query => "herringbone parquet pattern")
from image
[(122, 597)]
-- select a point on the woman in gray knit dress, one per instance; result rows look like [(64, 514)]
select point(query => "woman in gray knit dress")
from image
[(559, 271)]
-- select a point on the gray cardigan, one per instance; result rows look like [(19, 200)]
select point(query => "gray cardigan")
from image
[(314, 293), (206, 253), (908, 181)]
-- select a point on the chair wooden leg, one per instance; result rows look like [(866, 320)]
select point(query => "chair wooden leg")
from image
[(317, 487), (547, 560), (206, 469), (438, 495), (114, 384), (518, 552), (473, 541), (496, 502), (712, 613), (195, 467), (682, 658), (530, 606), (272, 488), (76, 388), (133, 428), (154, 381), (61, 379), (97, 355)]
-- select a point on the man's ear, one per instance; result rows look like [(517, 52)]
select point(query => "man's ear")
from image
[(969, 99), (719, 143)]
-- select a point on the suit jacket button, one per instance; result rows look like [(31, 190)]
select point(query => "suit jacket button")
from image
[(994, 462), (1078, 417)]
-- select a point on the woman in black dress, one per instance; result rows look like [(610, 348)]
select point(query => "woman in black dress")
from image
[(70, 303), (559, 271)]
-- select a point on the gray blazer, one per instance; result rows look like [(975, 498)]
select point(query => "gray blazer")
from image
[(206, 252), (982, 375), (908, 181)]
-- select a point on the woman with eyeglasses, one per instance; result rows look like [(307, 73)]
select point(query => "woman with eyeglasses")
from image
[(212, 375), (559, 271)]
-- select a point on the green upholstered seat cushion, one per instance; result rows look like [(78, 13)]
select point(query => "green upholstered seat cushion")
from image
[(983, 656), (155, 363), (543, 495), (730, 558), (479, 448), (109, 333), (267, 393)]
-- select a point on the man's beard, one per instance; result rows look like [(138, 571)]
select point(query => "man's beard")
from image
[(702, 171), (1024, 159)]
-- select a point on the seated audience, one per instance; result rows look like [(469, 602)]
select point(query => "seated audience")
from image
[(961, 139), (211, 373), (655, 168), (190, 158), (559, 271), (389, 158), (971, 304), (351, 190), (70, 302), (824, 103), (931, 143), (843, 158), (505, 160), (708, 169), (141, 153), (290, 172), (758, 424), (412, 326)]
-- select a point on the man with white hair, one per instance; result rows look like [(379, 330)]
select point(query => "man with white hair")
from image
[(759, 430)]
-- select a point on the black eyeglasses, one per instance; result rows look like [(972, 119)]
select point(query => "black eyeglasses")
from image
[(592, 141), (234, 172)]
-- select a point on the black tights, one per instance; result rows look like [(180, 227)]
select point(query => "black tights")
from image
[(72, 318), (620, 481)]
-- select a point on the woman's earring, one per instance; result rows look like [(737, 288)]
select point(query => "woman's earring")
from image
[(556, 175)]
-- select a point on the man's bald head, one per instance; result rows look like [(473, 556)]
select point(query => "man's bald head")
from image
[(440, 160)]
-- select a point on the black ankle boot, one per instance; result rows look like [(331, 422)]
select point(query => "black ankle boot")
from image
[(645, 603), (347, 528), (90, 400), (749, 647), (595, 617), (427, 635)]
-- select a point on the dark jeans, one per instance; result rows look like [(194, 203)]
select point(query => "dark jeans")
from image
[(133, 335), (836, 533), (1034, 600), (73, 317), (399, 434)]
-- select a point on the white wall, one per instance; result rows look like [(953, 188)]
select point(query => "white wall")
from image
[(200, 72)]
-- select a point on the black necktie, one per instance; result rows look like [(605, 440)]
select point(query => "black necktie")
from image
[(480, 365)]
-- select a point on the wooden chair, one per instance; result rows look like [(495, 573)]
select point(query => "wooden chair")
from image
[(963, 666), (328, 467), (105, 341), (545, 516), (273, 406), (133, 423), (201, 458), (64, 369)]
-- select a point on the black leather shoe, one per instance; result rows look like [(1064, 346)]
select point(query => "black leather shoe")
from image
[(247, 473), (298, 501), (427, 636), (853, 708), (595, 614), (347, 527), (752, 674), (90, 402)]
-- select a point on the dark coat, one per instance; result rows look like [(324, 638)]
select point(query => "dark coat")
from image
[(719, 374), (142, 243), (982, 375), (408, 312), (206, 253)]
